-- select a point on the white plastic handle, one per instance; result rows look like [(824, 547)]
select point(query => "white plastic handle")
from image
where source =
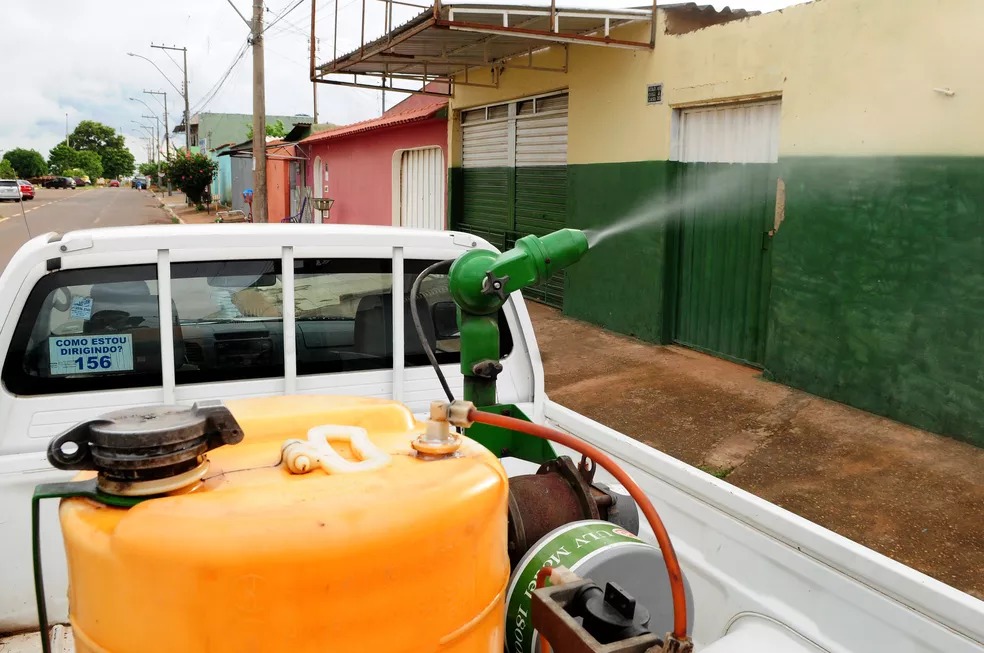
[(371, 457)]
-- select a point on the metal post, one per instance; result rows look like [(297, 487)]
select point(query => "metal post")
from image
[(187, 111), (167, 135), (652, 29), (362, 39), (314, 86), (259, 118)]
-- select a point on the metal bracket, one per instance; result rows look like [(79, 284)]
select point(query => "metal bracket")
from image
[(565, 634)]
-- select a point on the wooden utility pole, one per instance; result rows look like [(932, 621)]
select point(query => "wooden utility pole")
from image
[(259, 118)]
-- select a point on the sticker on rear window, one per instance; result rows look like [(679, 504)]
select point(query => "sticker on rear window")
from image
[(90, 354), (81, 308)]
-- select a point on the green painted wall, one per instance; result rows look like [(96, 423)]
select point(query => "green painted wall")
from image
[(620, 283), (877, 283), (878, 288)]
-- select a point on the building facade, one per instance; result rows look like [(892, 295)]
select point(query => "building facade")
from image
[(388, 171), (212, 130), (806, 189)]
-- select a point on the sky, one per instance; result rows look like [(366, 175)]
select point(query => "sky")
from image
[(71, 58)]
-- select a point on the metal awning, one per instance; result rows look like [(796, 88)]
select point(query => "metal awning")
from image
[(445, 41)]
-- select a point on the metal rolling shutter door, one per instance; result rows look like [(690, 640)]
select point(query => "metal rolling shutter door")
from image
[(541, 178), (486, 174)]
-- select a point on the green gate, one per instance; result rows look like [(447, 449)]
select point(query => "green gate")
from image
[(724, 269), (504, 204)]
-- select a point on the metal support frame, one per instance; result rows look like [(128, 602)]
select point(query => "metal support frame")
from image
[(516, 22)]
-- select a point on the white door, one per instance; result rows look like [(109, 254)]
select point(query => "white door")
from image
[(422, 175), (316, 178)]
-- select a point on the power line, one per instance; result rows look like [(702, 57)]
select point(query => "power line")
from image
[(176, 64), (282, 15), (212, 92)]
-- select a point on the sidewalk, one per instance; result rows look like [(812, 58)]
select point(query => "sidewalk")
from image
[(177, 208), (908, 494)]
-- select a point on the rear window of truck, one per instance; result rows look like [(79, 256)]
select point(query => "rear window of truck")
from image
[(99, 328)]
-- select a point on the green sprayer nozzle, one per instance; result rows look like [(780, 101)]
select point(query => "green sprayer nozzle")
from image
[(481, 280)]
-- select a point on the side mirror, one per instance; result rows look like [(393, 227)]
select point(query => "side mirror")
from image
[(444, 315)]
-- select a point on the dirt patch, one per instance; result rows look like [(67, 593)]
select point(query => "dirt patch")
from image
[(911, 495)]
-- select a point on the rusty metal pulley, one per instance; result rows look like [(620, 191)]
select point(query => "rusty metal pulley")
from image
[(560, 493)]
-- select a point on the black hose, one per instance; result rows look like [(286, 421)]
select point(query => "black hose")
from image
[(414, 291)]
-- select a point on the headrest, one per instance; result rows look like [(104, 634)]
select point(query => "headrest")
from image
[(120, 291)]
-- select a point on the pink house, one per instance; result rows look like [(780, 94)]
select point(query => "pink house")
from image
[(391, 170)]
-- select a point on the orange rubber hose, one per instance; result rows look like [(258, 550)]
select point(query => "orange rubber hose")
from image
[(600, 457)]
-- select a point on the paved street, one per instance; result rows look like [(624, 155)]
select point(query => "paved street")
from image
[(64, 210)]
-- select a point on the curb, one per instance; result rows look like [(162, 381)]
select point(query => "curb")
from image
[(168, 210)]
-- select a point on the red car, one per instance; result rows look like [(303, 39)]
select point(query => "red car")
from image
[(114, 183), (27, 189)]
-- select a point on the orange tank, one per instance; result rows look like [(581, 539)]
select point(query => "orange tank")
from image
[(408, 557)]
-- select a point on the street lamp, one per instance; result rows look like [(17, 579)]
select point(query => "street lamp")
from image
[(136, 99), (150, 132), (167, 139), (182, 94), (151, 61), (167, 133)]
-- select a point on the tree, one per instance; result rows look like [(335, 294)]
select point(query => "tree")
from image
[(75, 172), (191, 173), (27, 163), (61, 158), (96, 137), (117, 162), (6, 170), (148, 169), (277, 129), (92, 136), (91, 163)]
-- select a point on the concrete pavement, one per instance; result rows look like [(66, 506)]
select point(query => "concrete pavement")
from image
[(65, 210), (914, 496)]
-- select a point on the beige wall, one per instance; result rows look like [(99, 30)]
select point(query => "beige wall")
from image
[(857, 77)]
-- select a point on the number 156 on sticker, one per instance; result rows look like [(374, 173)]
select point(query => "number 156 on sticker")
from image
[(94, 363)]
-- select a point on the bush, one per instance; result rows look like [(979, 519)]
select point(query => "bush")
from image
[(192, 173)]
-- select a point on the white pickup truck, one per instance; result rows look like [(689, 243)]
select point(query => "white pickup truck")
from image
[(262, 310)]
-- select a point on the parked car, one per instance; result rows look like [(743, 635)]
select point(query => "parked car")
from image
[(9, 190), (140, 182), (114, 183), (60, 182), (79, 181), (27, 189)]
